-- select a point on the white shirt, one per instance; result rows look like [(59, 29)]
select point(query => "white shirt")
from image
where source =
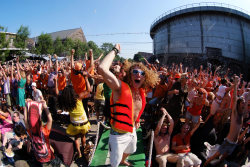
[(221, 92), (37, 95)]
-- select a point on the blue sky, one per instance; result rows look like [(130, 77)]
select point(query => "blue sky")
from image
[(95, 17)]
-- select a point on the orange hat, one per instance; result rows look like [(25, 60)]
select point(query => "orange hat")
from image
[(78, 66), (177, 75)]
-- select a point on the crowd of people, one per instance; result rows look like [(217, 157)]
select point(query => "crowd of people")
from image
[(197, 109)]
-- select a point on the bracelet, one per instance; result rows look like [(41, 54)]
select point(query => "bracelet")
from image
[(116, 50)]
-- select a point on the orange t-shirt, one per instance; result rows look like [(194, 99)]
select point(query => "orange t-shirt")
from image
[(43, 82), (179, 141), (160, 90), (209, 86), (35, 76), (61, 82), (78, 82), (88, 65)]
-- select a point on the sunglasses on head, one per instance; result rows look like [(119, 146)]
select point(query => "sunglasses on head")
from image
[(138, 71)]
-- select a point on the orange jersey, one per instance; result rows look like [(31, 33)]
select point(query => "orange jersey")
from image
[(42, 83), (160, 90), (61, 82), (78, 82), (88, 65)]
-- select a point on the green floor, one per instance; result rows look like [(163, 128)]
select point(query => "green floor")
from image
[(137, 159)]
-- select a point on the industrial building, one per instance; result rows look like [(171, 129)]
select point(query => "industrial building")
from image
[(204, 32)]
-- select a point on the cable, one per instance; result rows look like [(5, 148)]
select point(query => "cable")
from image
[(122, 33), (125, 42)]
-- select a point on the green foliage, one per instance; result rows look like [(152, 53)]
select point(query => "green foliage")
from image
[(130, 60), (122, 59), (80, 49), (3, 43), (138, 58), (21, 37), (68, 44), (106, 48), (33, 50), (4, 54), (58, 47), (96, 50), (45, 44), (118, 58)]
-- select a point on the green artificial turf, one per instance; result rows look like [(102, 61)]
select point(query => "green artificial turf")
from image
[(137, 159)]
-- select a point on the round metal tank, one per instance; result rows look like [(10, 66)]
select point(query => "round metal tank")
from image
[(204, 31)]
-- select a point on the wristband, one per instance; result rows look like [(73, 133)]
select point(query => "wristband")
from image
[(116, 50)]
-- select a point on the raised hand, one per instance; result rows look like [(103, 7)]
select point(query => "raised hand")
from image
[(236, 80), (72, 51), (44, 104), (164, 111), (90, 52), (55, 56), (118, 47)]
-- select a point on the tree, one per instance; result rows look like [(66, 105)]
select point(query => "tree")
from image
[(21, 37), (130, 60), (58, 46), (80, 49), (45, 44), (33, 50), (106, 48), (138, 58), (96, 50), (68, 44), (3, 43)]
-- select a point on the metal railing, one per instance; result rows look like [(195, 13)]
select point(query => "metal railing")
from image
[(201, 4)]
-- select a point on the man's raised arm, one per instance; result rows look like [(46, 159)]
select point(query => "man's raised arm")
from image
[(235, 85), (109, 78), (91, 67), (72, 59)]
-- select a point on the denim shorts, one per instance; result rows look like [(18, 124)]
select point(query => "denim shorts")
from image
[(194, 118)]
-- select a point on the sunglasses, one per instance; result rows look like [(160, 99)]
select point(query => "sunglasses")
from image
[(200, 93), (135, 72)]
